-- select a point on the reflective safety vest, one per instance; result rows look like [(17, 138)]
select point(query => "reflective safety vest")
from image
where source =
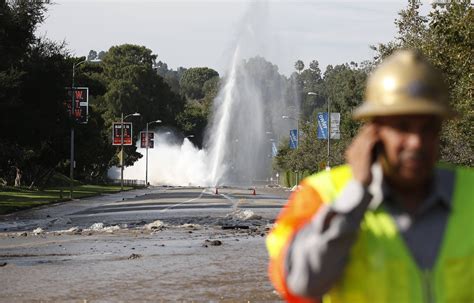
[(380, 267)]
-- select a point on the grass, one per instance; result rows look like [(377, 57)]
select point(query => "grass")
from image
[(14, 199)]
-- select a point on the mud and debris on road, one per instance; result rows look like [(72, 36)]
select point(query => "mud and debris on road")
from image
[(159, 264), (118, 254)]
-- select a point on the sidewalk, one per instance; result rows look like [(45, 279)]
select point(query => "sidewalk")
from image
[(58, 212)]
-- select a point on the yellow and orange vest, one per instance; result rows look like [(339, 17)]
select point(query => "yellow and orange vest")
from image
[(380, 267)]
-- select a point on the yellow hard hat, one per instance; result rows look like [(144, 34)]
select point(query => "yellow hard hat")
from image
[(405, 84)]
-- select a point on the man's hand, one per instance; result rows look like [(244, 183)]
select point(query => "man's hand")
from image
[(360, 153)]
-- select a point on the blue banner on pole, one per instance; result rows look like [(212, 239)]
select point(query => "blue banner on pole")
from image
[(293, 138), (323, 125), (274, 149)]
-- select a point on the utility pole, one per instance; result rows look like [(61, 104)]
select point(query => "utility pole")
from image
[(73, 104), (121, 146), (297, 143), (297, 136), (121, 154), (146, 156), (328, 167)]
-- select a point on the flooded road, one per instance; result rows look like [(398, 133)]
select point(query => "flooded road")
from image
[(158, 245)]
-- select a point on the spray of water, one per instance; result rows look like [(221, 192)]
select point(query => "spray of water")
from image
[(218, 143), (247, 118), (169, 163)]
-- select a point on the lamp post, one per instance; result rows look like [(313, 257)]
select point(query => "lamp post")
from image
[(273, 142), (297, 128), (121, 146), (146, 157), (297, 136), (328, 167), (71, 167)]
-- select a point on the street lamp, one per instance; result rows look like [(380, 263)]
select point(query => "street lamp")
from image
[(329, 127), (146, 140), (297, 136), (121, 146), (273, 143), (71, 168)]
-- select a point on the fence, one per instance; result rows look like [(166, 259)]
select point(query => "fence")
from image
[(127, 182)]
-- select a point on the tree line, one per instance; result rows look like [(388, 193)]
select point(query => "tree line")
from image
[(35, 71), (34, 75), (444, 36)]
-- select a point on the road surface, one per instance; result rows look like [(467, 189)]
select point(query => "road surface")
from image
[(157, 244)]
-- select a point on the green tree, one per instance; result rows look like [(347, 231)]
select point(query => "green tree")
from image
[(193, 80), (311, 82), (411, 25), (210, 89), (33, 75), (93, 151), (343, 85), (449, 46), (133, 85), (92, 55), (299, 66), (170, 76), (412, 31), (445, 37), (310, 153), (193, 120), (101, 55)]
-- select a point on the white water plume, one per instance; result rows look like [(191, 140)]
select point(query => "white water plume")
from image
[(247, 117), (220, 129), (169, 163)]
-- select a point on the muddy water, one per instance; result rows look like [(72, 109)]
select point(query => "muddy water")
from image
[(177, 263), (202, 248)]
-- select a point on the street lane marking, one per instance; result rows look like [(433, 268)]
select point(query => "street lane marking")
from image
[(190, 200), (234, 205)]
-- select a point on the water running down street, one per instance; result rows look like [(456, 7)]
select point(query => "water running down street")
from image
[(160, 244)]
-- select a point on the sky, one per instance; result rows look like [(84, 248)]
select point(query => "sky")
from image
[(197, 33)]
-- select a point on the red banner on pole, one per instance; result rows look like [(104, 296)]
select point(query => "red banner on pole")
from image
[(77, 103), (117, 134), (151, 139)]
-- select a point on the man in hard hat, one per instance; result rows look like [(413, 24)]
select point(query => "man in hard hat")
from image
[(389, 226)]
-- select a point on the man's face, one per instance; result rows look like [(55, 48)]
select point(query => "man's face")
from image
[(411, 146)]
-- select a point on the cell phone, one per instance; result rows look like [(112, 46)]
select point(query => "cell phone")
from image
[(377, 151)]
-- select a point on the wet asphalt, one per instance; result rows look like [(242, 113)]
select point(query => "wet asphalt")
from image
[(150, 245)]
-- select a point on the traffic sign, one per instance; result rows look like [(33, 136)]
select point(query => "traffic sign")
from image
[(117, 134), (151, 139)]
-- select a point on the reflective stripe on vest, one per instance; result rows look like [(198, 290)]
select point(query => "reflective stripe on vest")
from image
[(380, 267)]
